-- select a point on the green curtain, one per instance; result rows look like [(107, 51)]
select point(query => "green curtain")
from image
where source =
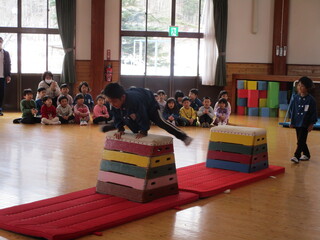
[(66, 15), (220, 24)]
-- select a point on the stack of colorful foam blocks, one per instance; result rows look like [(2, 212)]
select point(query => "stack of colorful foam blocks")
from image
[(241, 149), (139, 170), (261, 98)]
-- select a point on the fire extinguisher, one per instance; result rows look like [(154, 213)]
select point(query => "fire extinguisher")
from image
[(108, 73)]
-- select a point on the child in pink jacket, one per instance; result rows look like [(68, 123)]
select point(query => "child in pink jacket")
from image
[(100, 111)]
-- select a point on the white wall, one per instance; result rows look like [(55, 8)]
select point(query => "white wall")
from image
[(304, 32), (112, 29), (242, 44), (83, 30)]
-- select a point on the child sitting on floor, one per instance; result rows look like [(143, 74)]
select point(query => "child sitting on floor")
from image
[(48, 112), (88, 100), (28, 109), (64, 89), (39, 102), (178, 97), (222, 113), (100, 111), (171, 112), (81, 111), (187, 113), (162, 102), (222, 94), (64, 110), (195, 102), (206, 113)]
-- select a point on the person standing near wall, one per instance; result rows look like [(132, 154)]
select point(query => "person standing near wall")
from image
[(5, 72)]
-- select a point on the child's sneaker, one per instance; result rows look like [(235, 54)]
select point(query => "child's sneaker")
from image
[(187, 140), (304, 158), (83, 123), (294, 159)]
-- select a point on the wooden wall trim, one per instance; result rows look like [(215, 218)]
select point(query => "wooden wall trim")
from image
[(97, 44), (280, 37)]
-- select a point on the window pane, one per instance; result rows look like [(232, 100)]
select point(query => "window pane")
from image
[(133, 50), (133, 15), (55, 53), (10, 45), (186, 57), (33, 53), (9, 13), (158, 56), (159, 15), (53, 22), (34, 13), (187, 15)]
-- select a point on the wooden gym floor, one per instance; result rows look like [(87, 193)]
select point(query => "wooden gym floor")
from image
[(38, 162)]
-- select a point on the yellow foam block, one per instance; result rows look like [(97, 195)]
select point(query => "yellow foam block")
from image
[(239, 135), (141, 161), (282, 113), (252, 85), (262, 102)]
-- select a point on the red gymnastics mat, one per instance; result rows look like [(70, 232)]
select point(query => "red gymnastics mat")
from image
[(210, 181), (81, 213)]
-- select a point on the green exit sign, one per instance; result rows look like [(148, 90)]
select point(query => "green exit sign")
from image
[(173, 31)]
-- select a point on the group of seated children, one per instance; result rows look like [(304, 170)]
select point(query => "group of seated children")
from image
[(54, 105), (50, 110), (190, 111)]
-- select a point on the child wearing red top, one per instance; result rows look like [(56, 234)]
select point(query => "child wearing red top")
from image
[(100, 111), (81, 111), (48, 111)]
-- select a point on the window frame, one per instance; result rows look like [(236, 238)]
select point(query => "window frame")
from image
[(194, 35), (19, 30)]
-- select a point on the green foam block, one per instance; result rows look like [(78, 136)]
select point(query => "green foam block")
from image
[(237, 148), (273, 95)]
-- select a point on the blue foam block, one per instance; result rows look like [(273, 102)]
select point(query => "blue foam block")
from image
[(283, 107), (262, 85), (242, 102), (264, 112), (241, 84), (253, 111), (234, 166), (283, 99)]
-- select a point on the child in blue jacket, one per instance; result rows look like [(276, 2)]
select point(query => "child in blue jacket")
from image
[(171, 112), (135, 108), (303, 115)]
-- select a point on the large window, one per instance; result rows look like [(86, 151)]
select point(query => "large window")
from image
[(30, 32), (146, 47)]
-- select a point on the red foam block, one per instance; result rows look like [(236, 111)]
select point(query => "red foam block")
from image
[(210, 181), (253, 98), (81, 213), (263, 93), (237, 157), (242, 93)]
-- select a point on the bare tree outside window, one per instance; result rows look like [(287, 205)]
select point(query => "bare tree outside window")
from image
[(41, 46), (148, 21)]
